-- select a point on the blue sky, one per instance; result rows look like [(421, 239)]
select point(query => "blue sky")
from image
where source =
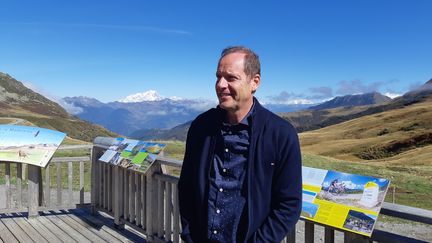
[(309, 50)]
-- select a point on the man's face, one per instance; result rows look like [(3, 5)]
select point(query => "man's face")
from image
[(233, 87)]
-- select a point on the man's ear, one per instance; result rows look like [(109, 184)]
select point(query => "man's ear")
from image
[(255, 82)]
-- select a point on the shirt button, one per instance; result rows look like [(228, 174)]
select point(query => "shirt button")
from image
[(226, 150), (224, 170), (217, 211), (215, 232), (221, 189)]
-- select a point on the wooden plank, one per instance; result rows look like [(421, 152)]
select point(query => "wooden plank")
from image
[(70, 159), (14, 228), (329, 235), (70, 231), (117, 198), (24, 172), (168, 211), (85, 231), (30, 231), (176, 215), (149, 204), (309, 232), (33, 188), (70, 183), (43, 230), (160, 208), (132, 192), (8, 185), (126, 195), (81, 183), (94, 228), (109, 187), (108, 225), (138, 201), (291, 236), (47, 186), (144, 202), (105, 186), (93, 186), (59, 185), (5, 234), (55, 229), (19, 186)]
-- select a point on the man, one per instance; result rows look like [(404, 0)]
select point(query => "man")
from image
[(241, 175)]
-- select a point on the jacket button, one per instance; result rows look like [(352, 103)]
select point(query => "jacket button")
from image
[(215, 232), (221, 189)]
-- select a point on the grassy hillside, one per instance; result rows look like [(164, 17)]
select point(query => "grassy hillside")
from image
[(400, 136), (23, 106)]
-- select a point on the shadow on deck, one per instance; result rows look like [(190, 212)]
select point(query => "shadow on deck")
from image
[(74, 225)]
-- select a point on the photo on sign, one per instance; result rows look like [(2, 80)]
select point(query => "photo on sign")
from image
[(309, 209), (359, 221), (354, 190)]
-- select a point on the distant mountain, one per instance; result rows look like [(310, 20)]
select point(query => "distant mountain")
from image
[(176, 133), (315, 119), (180, 132), (142, 111), (18, 101), (353, 100)]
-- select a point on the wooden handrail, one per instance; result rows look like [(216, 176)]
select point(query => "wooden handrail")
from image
[(159, 217)]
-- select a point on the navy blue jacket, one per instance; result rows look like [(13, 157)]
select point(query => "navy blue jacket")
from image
[(273, 180)]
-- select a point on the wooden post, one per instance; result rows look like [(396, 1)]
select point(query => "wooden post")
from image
[(309, 232), (33, 184)]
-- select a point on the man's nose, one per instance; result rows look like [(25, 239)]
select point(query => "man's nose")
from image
[(221, 83)]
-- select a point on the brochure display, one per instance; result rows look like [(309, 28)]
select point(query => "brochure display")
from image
[(132, 154), (345, 201), (31, 145)]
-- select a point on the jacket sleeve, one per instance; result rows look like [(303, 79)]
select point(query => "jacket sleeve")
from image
[(286, 198), (185, 189)]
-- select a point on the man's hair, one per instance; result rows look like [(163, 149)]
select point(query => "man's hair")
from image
[(252, 64)]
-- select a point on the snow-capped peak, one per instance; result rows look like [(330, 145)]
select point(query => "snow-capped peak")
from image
[(151, 95)]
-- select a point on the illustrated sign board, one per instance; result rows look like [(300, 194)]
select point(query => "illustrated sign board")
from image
[(31, 145), (132, 154), (345, 201)]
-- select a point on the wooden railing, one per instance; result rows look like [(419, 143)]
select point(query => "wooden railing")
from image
[(149, 203), (29, 188)]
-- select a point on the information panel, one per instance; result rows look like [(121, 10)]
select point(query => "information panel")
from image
[(31, 145), (132, 154), (345, 201)]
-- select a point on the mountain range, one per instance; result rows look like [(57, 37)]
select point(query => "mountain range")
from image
[(138, 112), (304, 120)]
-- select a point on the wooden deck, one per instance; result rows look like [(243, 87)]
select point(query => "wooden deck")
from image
[(75, 225)]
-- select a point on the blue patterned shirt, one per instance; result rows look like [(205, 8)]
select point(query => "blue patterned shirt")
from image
[(226, 197)]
